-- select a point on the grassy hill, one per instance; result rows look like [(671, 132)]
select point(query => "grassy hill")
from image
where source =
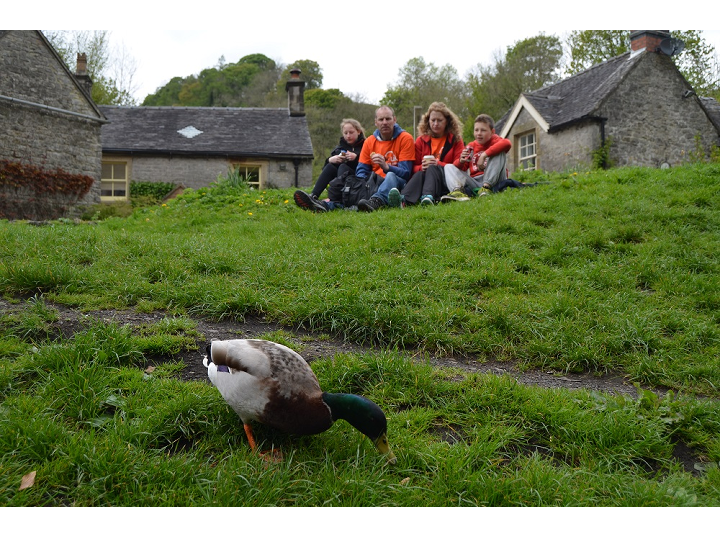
[(592, 272)]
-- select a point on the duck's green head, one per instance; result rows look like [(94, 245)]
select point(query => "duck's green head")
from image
[(365, 416)]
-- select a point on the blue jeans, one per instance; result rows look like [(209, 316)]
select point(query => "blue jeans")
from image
[(392, 180)]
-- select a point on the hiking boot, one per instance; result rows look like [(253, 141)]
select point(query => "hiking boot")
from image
[(395, 198), (427, 200), (455, 196), (370, 205), (480, 192), (309, 202)]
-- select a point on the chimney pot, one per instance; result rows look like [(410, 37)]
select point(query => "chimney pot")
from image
[(81, 64), (648, 40), (295, 89)]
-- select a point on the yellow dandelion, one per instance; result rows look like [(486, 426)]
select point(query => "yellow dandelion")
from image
[(164, 205), (250, 213), (285, 202)]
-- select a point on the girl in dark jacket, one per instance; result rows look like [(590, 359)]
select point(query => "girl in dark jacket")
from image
[(343, 160)]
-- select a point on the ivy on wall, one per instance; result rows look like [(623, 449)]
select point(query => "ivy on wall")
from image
[(30, 192), (19, 175)]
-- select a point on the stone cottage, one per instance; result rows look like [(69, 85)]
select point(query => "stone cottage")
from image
[(192, 146), (638, 104), (49, 132)]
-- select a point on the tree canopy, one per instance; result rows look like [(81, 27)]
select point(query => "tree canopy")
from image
[(697, 61), (527, 65), (256, 80), (111, 70)]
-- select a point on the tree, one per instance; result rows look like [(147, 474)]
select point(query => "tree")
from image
[(310, 72), (527, 65), (111, 71), (324, 98), (697, 62), (247, 82), (419, 84), (589, 47)]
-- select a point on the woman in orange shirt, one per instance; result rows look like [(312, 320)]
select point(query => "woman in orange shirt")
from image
[(440, 143)]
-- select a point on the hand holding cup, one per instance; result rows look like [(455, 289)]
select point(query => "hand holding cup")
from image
[(428, 160)]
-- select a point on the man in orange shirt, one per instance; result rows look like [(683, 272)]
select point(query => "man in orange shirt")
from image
[(390, 153)]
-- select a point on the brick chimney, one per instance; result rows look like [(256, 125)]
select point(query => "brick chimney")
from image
[(81, 73), (295, 89), (648, 40)]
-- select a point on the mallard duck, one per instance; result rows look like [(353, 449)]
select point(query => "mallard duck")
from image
[(270, 383)]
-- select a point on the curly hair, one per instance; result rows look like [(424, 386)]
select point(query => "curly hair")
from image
[(454, 125)]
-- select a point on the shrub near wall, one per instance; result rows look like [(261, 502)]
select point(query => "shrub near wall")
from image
[(157, 190), (29, 192)]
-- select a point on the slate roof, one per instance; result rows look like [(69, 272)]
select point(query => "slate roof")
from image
[(236, 132), (580, 96)]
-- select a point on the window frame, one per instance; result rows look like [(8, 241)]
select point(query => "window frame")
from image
[(261, 166), (530, 157), (113, 163)]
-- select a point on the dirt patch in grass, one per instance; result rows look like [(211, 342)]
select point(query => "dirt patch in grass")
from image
[(314, 347)]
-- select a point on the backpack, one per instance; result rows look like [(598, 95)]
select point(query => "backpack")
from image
[(356, 188)]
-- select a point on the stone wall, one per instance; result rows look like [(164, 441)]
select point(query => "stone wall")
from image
[(569, 149), (648, 122), (196, 172), (663, 125), (45, 119)]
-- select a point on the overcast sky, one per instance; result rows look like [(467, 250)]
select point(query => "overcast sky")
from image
[(351, 60)]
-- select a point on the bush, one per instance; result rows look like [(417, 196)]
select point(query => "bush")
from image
[(156, 190)]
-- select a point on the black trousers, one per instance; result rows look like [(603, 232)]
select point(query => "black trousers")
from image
[(330, 172), (505, 183), (431, 181)]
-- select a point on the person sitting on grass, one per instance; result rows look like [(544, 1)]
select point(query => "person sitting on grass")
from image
[(481, 165), (343, 160), (439, 144), (390, 153)]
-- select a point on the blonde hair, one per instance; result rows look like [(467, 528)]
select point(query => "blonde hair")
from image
[(354, 123), (454, 125)]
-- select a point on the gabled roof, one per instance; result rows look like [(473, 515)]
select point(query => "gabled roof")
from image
[(86, 97), (575, 98), (238, 132)]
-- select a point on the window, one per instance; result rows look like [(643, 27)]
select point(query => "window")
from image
[(114, 181), (527, 152), (252, 173)]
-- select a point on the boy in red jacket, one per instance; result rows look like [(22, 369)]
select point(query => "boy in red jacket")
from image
[(481, 165)]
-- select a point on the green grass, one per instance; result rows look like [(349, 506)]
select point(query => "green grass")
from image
[(609, 271)]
